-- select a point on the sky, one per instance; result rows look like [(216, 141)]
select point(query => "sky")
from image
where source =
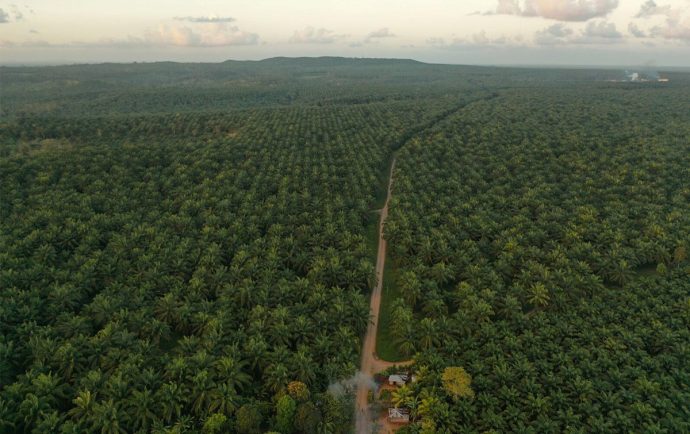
[(484, 32)]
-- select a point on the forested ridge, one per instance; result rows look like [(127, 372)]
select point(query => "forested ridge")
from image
[(187, 248)]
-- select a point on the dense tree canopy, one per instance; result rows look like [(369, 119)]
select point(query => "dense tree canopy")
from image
[(189, 249), (541, 242)]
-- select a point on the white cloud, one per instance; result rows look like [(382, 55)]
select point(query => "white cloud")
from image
[(601, 29), (676, 25), (673, 29), (18, 14), (596, 32), (553, 35), (210, 19), (383, 32), (508, 7), (209, 34), (311, 35), (4, 16), (480, 39), (25, 44), (650, 8), (634, 30), (15, 14), (561, 10)]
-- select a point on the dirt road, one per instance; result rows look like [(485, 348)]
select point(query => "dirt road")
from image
[(370, 363)]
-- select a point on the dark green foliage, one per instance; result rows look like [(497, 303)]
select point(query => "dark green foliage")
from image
[(180, 242), (285, 414), (528, 220), (158, 268)]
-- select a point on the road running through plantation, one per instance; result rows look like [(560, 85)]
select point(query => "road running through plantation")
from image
[(370, 363)]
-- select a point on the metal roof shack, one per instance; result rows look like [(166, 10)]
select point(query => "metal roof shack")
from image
[(397, 380), (398, 415)]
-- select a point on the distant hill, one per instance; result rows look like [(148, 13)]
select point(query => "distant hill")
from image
[(337, 61)]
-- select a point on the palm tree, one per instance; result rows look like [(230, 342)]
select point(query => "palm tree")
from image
[(256, 350), (231, 371), (107, 418), (413, 405), (428, 404), (171, 399), (203, 391), (621, 272), (303, 366), (410, 287), (442, 273), (427, 333), (276, 377), (401, 396), (31, 408), (538, 295), (83, 405), (225, 401), (140, 409)]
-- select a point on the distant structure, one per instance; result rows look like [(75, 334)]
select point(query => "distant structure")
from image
[(641, 77)]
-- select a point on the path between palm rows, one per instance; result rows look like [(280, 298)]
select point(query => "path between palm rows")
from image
[(371, 364)]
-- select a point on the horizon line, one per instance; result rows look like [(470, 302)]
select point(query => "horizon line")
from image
[(37, 64)]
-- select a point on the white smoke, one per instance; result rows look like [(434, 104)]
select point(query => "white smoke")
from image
[(349, 385)]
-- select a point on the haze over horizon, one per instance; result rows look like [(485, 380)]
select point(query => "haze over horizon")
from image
[(496, 32)]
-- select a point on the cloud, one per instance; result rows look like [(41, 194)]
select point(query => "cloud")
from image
[(15, 14), (310, 35), (436, 42), (210, 19), (601, 30), (596, 32), (25, 44), (18, 14), (561, 10), (166, 35), (650, 8), (482, 39), (508, 7), (673, 29), (636, 31), (211, 34), (676, 25), (383, 32), (553, 35), (478, 40)]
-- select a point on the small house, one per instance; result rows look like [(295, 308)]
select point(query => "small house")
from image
[(397, 379), (398, 415)]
